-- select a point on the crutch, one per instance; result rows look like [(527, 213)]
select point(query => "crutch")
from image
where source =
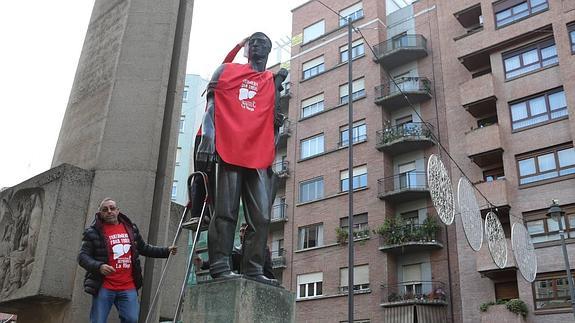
[(182, 225)]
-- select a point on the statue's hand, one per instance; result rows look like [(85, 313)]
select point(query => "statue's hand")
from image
[(206, 154), (283, 73)]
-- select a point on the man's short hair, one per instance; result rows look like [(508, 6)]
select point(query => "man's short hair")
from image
[(105, 200)]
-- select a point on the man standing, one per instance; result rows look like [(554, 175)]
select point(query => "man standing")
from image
[(238, 131), (109, 253)]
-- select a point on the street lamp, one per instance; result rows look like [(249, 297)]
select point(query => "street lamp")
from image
[(556, 213)]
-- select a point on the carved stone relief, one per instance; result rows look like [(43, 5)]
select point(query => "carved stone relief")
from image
[(20, 219)]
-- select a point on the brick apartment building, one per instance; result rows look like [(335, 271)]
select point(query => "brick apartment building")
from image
[(494, 83)]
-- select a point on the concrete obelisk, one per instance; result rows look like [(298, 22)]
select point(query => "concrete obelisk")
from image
[(123, 114)]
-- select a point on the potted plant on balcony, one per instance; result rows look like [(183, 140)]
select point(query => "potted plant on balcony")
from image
[(392, 230), (341, 235), (430, 228)]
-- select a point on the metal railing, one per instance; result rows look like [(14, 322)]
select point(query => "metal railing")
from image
[(279, 212), (281, 168), (423, 292), (409, 233), (414, 180), (406, 42), (356, 139), (278, 258), (407, 130), (403, 84)]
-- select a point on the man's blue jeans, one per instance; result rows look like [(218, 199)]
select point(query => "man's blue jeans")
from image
[(126, 302)]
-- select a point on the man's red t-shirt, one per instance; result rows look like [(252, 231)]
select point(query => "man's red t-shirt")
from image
[(119, 257), (244, 116)]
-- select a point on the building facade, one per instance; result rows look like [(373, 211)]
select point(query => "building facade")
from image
[(193, 107), (491, 83)]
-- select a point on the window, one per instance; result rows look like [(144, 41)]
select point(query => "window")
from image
[(185, 96), (546, 164), (312, 106), (174, 190), (360, 278), (571, 29), (408, 177), (357, 50), (182, 123), (538, 109), (530, 59), (360, 225), (309, 285), (311, 146), (358, 91), (551, 290), (399, 41), (314, 31), (311, 236), (313, 67), (354, 12), (412, 279), (493, 174), (311, 190), (510, 11), (178, 155), (541, 228), (359, 178), (359, 133)]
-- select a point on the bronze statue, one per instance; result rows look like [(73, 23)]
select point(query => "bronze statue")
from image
[(239, 134)]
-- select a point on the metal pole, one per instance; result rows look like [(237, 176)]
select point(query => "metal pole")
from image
[(567, 267), (350, 270)]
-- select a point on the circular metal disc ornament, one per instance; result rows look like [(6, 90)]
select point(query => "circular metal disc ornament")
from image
[(440, 189), (524, 252), (496, 240), (470, 214)]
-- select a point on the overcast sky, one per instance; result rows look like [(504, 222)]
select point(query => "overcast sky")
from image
[(42, 41)]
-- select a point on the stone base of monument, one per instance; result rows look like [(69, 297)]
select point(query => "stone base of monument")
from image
[(239, 300)]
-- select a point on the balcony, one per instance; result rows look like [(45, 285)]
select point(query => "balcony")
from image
[(495, 191), (414, 292), (284, 132), (392, 95), (410, 238), (285, 96), (279, 212), (484, 145), (400, 50), (278, 259), (485, 265), (281, 168), (478, 96), (403, 187), (407, 137)]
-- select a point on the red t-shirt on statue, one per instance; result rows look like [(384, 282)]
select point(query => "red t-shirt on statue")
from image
[(244, 116), (119, 257)]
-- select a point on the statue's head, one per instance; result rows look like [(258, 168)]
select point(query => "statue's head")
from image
[(259, 46)]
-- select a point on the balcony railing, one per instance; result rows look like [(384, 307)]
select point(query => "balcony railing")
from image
[(286, 91), (411, 237), (279, 212), (400, 50), (414, 180), (281, 168), (403, 84), (399, 139), (285, 129), (278, 258), (414, 292)]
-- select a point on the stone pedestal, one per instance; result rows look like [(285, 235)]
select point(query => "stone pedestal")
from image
[(239, 300)]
